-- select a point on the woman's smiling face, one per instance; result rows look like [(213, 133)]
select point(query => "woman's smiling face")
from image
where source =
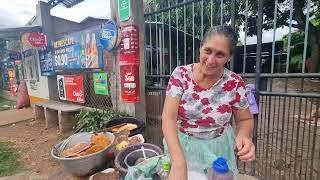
[(214, 54)]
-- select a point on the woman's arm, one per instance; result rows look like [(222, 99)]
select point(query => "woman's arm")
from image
[(170, 132), (244, 123)]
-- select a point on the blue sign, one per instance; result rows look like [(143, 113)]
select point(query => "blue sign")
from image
[(46, 64), (109, 35), (78, 50), (14, 55)]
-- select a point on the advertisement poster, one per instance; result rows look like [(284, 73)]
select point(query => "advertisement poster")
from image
[(34, 40), (46, 64), (79, 50), (61, 87), (129, 46), (100, 81), (18, 71), (109, 35), (14, 55), (6, 65), (30, 64), (70, 88), (130, 91), (12, 82)]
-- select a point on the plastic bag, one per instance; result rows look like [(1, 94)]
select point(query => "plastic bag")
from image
[(22, 96)]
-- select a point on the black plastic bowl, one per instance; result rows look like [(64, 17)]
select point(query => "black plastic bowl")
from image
[(117, 121), (151, 151)]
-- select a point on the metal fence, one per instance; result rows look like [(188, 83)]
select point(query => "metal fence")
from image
[(91, 98), (286, 133)]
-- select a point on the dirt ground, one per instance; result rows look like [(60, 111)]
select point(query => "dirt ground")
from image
[(34, 143)]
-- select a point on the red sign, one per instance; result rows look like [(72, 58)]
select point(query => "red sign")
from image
[(34, 39), (70, 88), (129, 45), (130, 91)]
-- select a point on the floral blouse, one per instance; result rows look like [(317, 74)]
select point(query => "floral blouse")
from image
[(206, 113)]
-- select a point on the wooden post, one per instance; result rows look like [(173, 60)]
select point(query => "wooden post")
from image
[(138, 109)]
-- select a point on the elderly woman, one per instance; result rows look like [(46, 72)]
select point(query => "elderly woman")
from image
[(200, 101)]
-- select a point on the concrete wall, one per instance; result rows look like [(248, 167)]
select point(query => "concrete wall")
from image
[(38, 89), (64, 26), (46, 86)]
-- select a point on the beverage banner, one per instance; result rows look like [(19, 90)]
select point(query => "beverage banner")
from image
[(12, 82), (109, 35), (46, 65), (70, 88), (100, 81), (129, 45), (34, 40), (78, 50), (130, 91)]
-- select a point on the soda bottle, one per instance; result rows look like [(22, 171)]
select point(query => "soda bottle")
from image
[(220, 170), (165, 169), (83, 52), (88, 50), (94, 52)]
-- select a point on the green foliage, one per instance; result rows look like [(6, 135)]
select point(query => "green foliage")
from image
[(94, 120), (296, 38), (9, 163), (183, 19), (316, 19), (296, 59)]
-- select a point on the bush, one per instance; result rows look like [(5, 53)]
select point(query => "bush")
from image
[(94, 120)]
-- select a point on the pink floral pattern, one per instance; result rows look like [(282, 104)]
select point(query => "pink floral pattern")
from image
[(204, 113)]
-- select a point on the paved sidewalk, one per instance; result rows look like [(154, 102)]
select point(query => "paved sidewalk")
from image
[(15, 115)]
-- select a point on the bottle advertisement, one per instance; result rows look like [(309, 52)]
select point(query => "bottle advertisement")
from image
[(79, 50)]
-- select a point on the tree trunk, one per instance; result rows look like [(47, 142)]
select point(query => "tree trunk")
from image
[(314, 40)]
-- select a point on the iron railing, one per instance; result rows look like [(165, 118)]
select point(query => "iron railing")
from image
[(91, 98), (286, 131)]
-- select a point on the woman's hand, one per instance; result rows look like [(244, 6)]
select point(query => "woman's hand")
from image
[(246, 149), (178, 171)]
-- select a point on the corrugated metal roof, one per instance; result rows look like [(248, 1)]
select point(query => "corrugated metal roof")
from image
[(15, 33), (66, 3)]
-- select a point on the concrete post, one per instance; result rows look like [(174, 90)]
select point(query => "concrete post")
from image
[(46, 21), (136, 18)]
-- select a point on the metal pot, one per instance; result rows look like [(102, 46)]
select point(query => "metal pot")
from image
[(84, 165)]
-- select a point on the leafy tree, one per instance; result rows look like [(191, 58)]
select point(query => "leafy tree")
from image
[(299, 20), (210, 16)]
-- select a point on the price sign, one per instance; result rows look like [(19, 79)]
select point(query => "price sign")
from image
[(129, 46)]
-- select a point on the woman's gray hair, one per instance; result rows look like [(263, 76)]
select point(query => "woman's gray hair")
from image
[(225, 31)]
